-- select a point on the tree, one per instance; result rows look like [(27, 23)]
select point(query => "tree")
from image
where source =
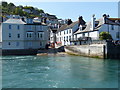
[(11, 5), (4, 4), (18, 11), (41, 11), (105, 36)]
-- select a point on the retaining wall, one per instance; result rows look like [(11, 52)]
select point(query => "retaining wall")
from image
[(106, 51), (20, 52), (87, 50), (113, 51)]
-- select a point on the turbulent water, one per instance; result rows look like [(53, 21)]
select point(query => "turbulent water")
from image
[(58, 72)]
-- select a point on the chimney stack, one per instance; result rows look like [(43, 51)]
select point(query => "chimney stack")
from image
[(81, 21), (93, 22)]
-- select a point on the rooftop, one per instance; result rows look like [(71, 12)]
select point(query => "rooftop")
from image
[(14, 21)]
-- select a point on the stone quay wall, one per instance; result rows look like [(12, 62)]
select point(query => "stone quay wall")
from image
[(95, 50)]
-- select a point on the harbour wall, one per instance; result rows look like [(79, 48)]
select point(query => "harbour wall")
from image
[(19, 52), (87, 50), (106, 51), (113, 51)]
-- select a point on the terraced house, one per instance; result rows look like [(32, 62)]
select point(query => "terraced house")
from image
[(92, 30), (65, 33), (81, 32)]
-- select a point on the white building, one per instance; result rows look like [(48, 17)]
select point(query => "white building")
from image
[(27, 10), (95, 27), (65, 34), (16, 34)]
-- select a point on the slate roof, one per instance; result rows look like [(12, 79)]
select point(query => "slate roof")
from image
[(100, 23), (65, 26), (14, 21)]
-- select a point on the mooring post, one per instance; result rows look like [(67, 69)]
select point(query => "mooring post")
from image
[(104, 51)]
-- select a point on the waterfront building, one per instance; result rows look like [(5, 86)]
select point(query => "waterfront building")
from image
[(80, 32), (95, 27), (65, 33), (15, 34)]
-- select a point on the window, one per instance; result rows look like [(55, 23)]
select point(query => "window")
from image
[(38, 35), (64, 38), (9, 26), (67, 31), (17, 43), (64, 32), (118, 35), (18, 35), (9, 35), (29, 34), (83, 34), (88, 34), (41, 35), (9, 43), (70, 31), (60, 39), (40, 43), (69, 38), (29, 44), (112, 27), (18, 27)]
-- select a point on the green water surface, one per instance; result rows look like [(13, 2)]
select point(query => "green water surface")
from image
[(58, 72)]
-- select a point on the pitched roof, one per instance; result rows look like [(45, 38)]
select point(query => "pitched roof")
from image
[(88, 26), (14, 21), (100, 23), (72, 24), (113, 21), (63, 27)]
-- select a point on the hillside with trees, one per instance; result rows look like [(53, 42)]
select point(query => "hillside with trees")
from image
[(11, 9)]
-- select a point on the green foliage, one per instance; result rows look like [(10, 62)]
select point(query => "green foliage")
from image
[(11, 5), (10, 8), (105, 36), (28, 7), (4, 4)]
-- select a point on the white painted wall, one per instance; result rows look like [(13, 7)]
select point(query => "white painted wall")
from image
[(36, 41), (94, 35), (24, 42), (65, 36), (13, 40), (108, 28)]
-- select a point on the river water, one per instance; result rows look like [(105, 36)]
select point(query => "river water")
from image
[(58, 72)]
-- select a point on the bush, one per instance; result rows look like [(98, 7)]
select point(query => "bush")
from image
[(105, 36)]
